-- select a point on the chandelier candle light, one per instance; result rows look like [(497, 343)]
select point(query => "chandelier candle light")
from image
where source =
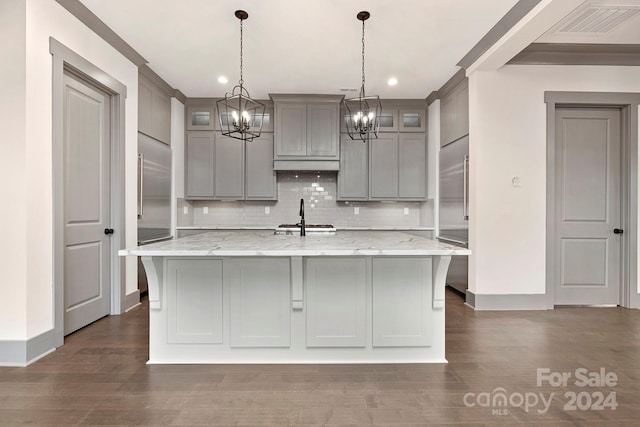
[(362, 113), (240, 116)]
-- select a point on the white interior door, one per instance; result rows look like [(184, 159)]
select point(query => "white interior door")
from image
[(587, 197), (87, 157)]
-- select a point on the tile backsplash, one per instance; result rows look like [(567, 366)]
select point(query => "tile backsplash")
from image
[(319, 193)]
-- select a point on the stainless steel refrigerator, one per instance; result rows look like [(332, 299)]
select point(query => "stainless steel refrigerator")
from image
[(154, 195), (453, 222)]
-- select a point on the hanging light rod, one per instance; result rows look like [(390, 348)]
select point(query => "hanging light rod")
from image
[(240, 116), (362, 113)]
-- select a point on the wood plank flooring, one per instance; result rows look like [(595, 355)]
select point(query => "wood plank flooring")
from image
[(99, 377)]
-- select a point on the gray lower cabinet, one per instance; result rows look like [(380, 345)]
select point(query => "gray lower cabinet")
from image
[(195, 288), (336, 294), (223, 168), (199, 158), (402, 295), (259, 301), (259, 174), (353, 176)]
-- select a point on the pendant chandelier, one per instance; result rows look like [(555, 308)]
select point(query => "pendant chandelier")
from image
[(362, 113), (240, 116)]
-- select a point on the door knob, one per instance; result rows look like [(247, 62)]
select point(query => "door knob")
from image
[(108, 231), (618, 231)]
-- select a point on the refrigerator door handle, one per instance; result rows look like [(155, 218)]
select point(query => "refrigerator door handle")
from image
[(140, 184), (465, 171)]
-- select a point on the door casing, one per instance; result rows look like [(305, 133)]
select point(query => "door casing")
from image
[(65, 59), (628, 103)]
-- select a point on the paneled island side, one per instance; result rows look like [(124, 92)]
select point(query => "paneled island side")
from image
[(255, 297)]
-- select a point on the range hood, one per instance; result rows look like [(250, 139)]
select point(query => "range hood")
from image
[(306, 165)]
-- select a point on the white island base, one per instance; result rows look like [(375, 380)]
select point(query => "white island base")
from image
[(297, 300)]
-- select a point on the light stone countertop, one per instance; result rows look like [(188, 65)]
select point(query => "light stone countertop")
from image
[(266, 243), (266, 227)]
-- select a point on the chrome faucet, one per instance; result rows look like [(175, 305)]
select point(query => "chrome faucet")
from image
[(303, 231)]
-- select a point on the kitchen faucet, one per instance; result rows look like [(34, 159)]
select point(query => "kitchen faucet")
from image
[(303, 232)]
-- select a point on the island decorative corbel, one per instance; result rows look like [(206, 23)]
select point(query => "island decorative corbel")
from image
[(154, 268)]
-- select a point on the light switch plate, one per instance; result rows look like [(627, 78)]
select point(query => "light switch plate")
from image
[(406, 211), (356, 211), (205, 210), (267, 210), (185, 210)]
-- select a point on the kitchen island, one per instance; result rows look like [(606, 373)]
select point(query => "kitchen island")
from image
[(255, 297)]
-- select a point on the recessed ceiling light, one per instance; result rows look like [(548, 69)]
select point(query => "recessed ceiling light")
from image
[(392, 81), (223, 80)]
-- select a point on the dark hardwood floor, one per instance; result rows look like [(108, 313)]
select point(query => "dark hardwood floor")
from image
[(99, 377)]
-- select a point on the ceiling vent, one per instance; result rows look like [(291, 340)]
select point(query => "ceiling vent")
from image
[(597, 19)]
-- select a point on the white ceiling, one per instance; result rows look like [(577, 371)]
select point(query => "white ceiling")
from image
[(303, 46)]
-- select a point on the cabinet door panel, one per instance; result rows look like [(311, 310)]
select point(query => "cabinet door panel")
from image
[(201, 118), (462, 110), (402, 307), (412, 178), (412, 120), (199, 164), (447, 120), (261, 178), (145, 107), (229, 168), (194, 310), (291, 129), (162, 117), (322, 130), (353, 177), (336, 302), (383, 167), (260, 301)]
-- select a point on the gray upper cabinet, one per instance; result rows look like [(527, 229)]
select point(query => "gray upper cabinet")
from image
[(154, 111), (306, 127), (221, 168), (353, 176), (398, 167), (228, 168), (388, 120), (322, 130), (260, 176), (412, 120), (201, 118), (454, 114), (392, 166), (383, 167), (412, 171), (291, 129), (199, 152)]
